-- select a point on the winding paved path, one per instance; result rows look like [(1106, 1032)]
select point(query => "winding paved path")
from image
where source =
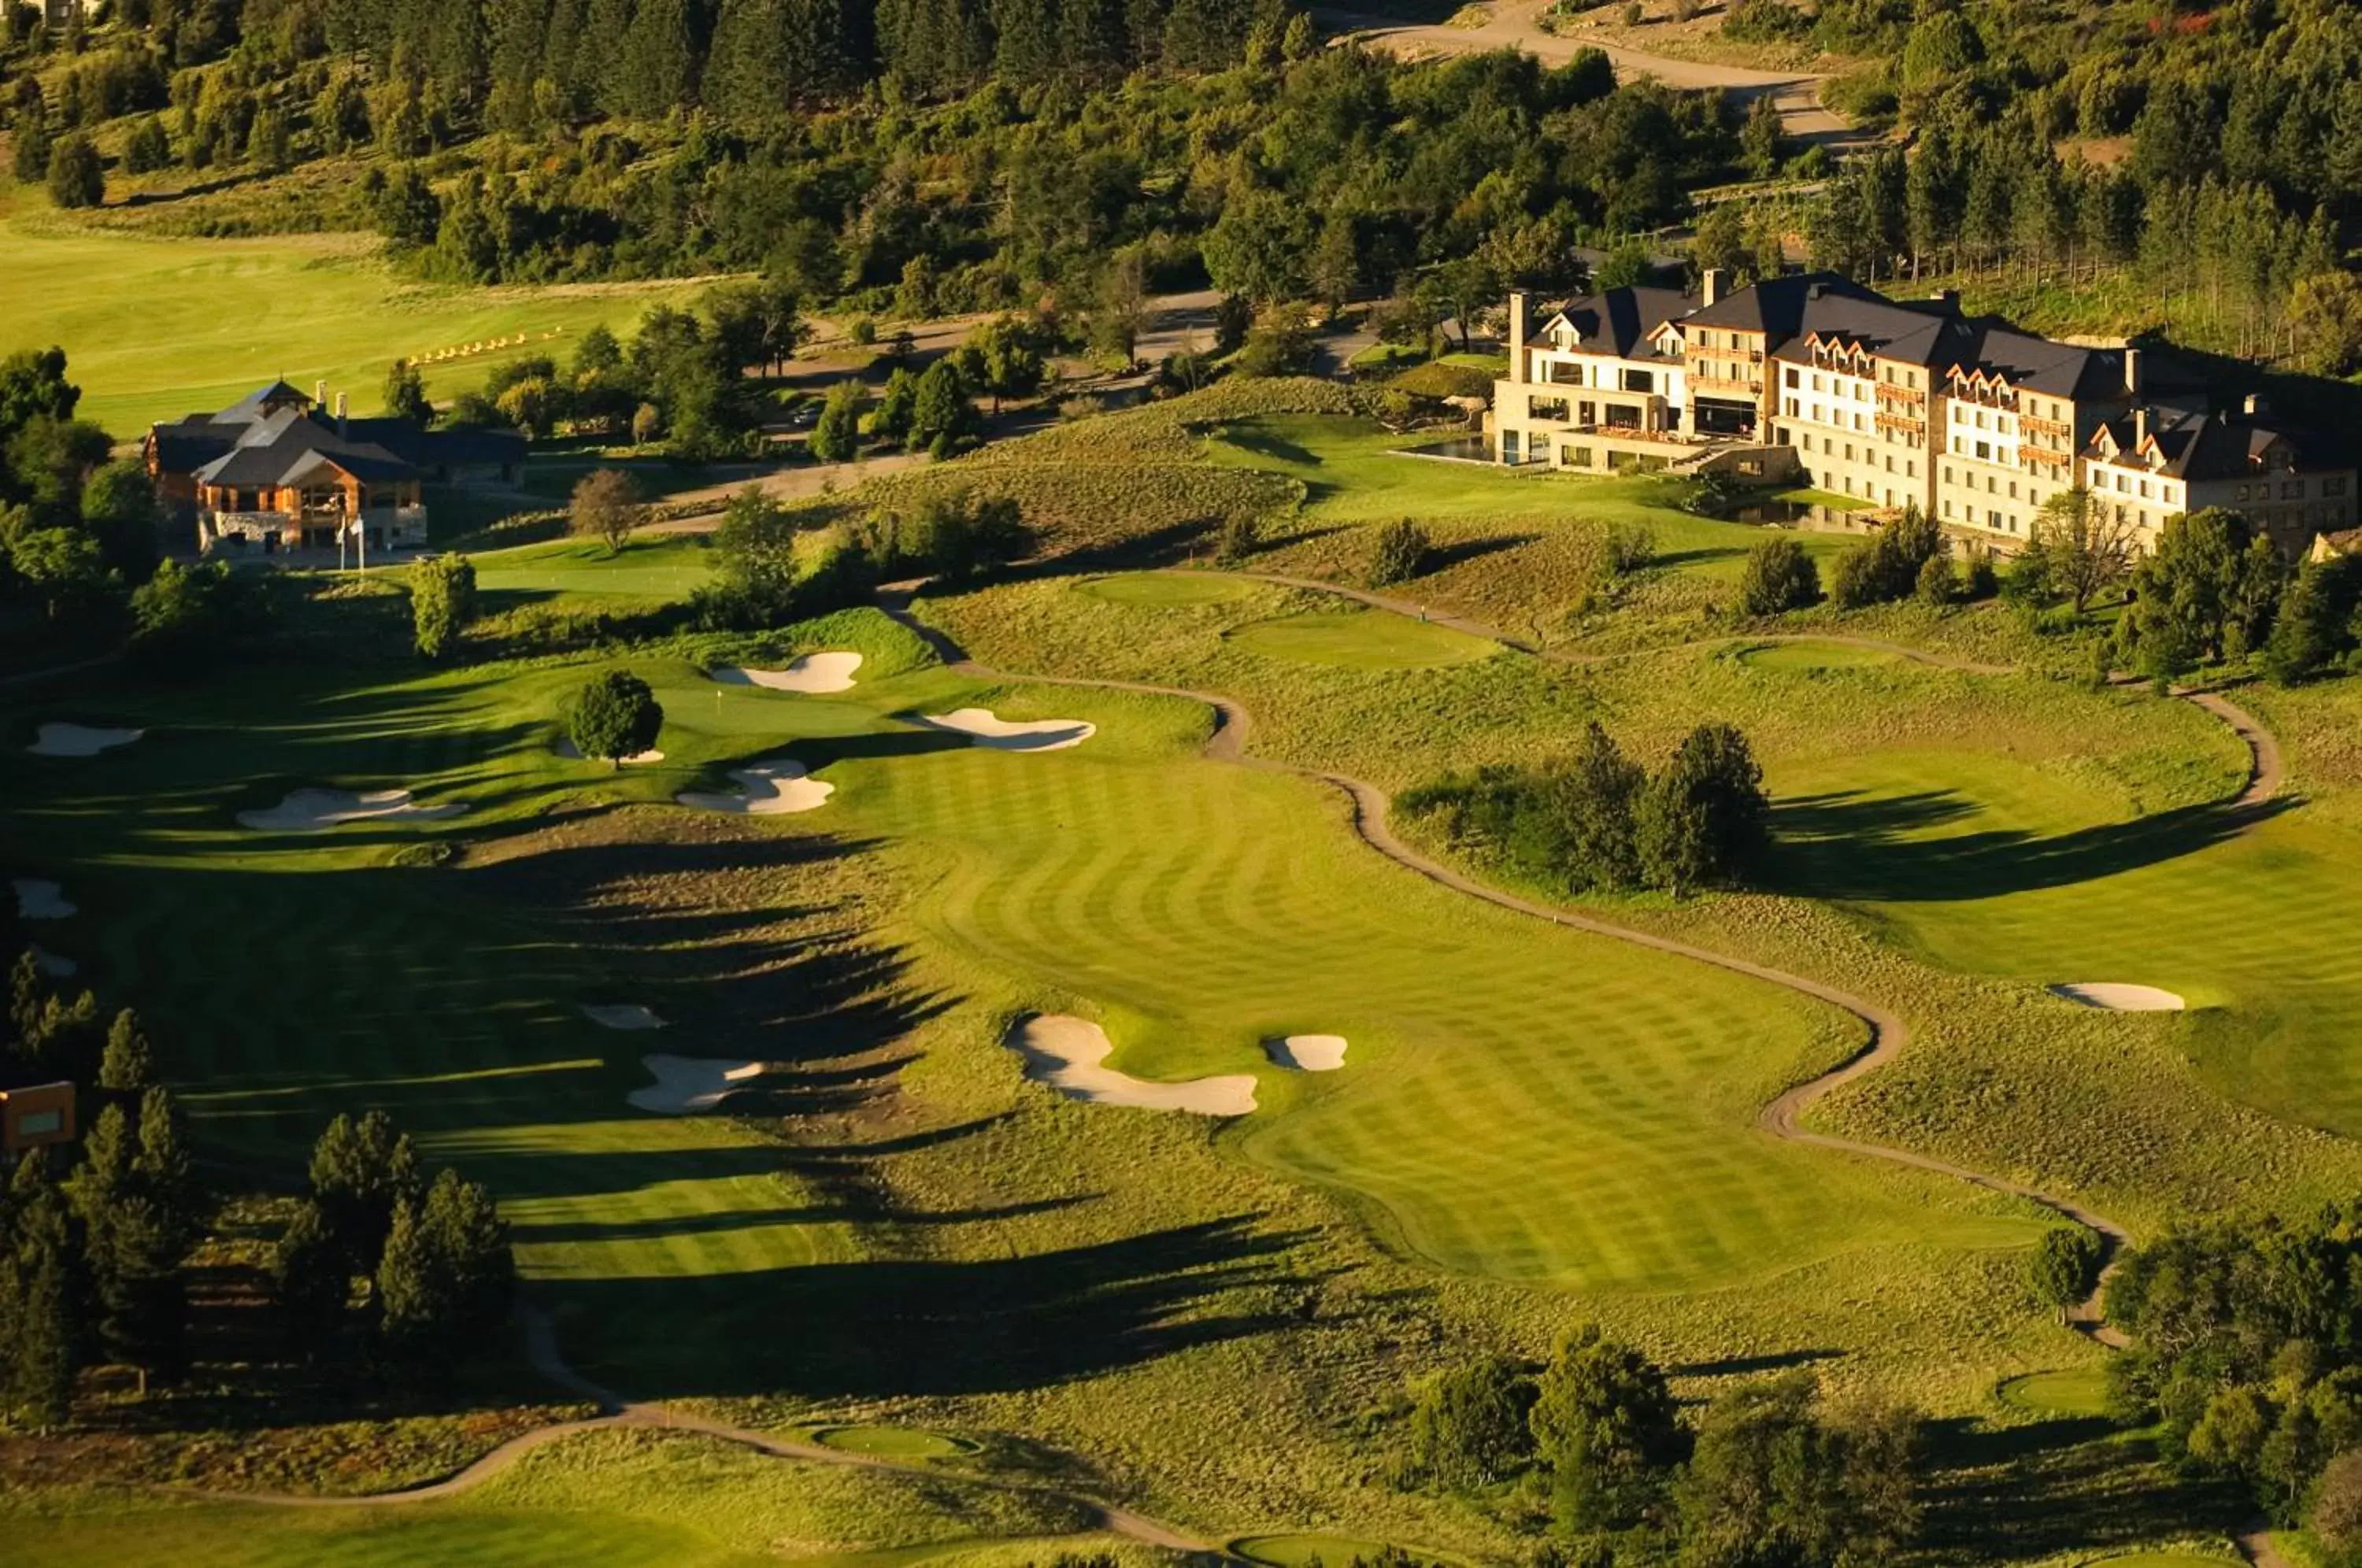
[(1782, 1118)]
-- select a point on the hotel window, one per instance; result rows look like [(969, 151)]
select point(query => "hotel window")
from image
[(2012, 489), (2292, 490), (1947, 506), (2243, 493), (1910, 469), (1984, 451), (2144, 490), (1791, 376), (1849, 451), (2333, 486), (1947, 473), (1792, 408)]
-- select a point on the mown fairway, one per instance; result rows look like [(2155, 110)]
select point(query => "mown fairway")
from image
[(185, 324)]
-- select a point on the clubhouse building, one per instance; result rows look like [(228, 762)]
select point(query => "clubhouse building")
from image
[(1893, 404), (274, 470)]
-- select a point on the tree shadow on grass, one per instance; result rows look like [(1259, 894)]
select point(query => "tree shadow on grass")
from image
[(1850, 845), (1443, 557), (2058, 1487), (889, 1328)]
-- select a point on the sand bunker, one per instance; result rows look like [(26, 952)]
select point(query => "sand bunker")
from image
[(621, 1015), (774, 786), (39, 900), (1067, 1055), (1307, 1052), (572, 752), (2117, 998), (310, 810), (79, 740), (687, 1085), (813, 674), (57, 965), (1009, 734)]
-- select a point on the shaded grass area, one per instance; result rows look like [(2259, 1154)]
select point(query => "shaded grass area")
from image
[(602, 1498)]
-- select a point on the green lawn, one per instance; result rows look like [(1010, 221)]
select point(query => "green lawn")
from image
[(185, 324), (659, 567), (2082, 1392)]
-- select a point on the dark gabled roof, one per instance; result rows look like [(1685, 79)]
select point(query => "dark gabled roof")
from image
[(1620, 320), (1901, 332), (1776, 306), (466, 447), (2193, 445), (262, 401), (2043, 365), (281, 449)]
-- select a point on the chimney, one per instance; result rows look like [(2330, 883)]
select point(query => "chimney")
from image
[(1518, 336), (319, 394), (1949, 299), (2132, 372), (341, 414), (2253, 405), (1711, 286), (2140, 425)]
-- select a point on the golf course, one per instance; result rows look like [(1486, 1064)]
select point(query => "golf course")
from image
[(999, 1076)]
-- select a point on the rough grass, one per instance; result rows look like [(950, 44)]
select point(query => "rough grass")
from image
[(602, 1498)]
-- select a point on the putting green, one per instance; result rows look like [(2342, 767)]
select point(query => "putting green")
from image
[(1360, 639), (1317, 1550), (1814, 655), (2077, 1391), (1166, 589), (893, 1442)]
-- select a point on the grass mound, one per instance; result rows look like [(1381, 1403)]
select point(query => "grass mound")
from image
[(1361, 639), (893, 1442), (1814, 655), (1317, 1550), (2077, 1391), (1162, 589)]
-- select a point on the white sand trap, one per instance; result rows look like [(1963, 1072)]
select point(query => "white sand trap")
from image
[(57, 965), (310, 810), (1067, 1053), (772, 788), (981, 726), (79, 740), (2117, 998), (39, 900), (687, 1085), (621, 1015), (1307, 1052), (572, 752), (813, 674)]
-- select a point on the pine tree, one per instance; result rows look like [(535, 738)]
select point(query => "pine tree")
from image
[(128, 1064), (310, 1278), (1703, 821), (661, 52), (166, 1172), (143, 1305), (361, 1172), (37, 1338), (27, 991)]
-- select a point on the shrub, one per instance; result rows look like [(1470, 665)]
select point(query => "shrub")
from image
[(1764, 21), (1241, 536), (613, 716), (1630, 546), (442, 603), (837, 436), (1936, 584), (2066, 1265), (76, 176), (1399, 553), (1779, 575)]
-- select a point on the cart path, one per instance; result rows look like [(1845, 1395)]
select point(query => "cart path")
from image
[(1783, 1117), (542, 1350)]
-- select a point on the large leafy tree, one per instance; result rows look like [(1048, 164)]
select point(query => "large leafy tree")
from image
[(613, 716), (1704, 820), (1607, 1425)]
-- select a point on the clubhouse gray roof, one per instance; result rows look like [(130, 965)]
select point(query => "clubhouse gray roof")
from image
[(260, 439)]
